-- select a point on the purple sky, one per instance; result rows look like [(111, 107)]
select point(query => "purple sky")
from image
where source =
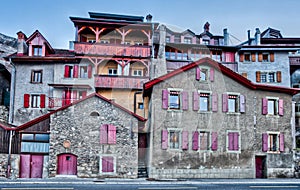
[(51, 17)]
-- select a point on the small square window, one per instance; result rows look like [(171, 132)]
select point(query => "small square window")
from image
[(187, 40), (265, 57), (247, 57), (37, 51), (137, 72), (203, 74), (68, 158), (112, 71), (271, 77), (36, 76), (140, 105), (263, 77)]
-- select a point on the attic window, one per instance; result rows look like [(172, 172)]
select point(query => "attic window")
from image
[(94, 113), (37, 51)]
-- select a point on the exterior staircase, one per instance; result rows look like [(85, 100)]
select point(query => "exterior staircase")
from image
[(142, 170)]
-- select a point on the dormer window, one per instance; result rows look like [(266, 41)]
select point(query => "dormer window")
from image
[(37, 51)]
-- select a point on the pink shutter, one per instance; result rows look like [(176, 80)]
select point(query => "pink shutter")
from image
[(195, 101), (281, 142), (75, 73), (185, 140), (225, 102), (83, 93), (280, 105), (214, 102), (230, 141), (212, 74), (185, 100), (43, 100), (26, 100), (164, 139), (198, 72), (104, 164), (195, 140), (74, 95), (236, 141), (112, 130), (165, 97), (264, 106), (242, 104), (264, 142), (103, 134), (68, 97), (214, 141), (67, 71), (89, 69)]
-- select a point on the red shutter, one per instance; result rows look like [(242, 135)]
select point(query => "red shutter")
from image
[(212, 74), (214, 102), (264, 106), (198, 71), (264, 142), (164, 139), (280, 105), (26, 100), (185, 100), (281, 142), (75, 73), (103, 134), (112, 131), (195, 101), (68, 97), (83, 93), (185, 140), (242, 104), (43, 100), (225, 102), (214, 141), (230, 141), (67, 71), (89, 69), (74, 95), (110, 164), (236, 141), (165, 97), (195, 140)]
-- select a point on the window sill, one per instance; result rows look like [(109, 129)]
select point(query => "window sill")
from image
[(273, 152), (234, 151), (205, 112), (233, 113), (274, 116), (36, 82), (173, 110), (175, 150)]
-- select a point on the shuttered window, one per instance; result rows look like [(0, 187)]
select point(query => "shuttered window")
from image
[(34, 100), (273, 142), (108, 134), (205, 101), (173, 99), (272, 106), (233, 103), (174, 139), (233, 141), (107, 164), (205, 73)]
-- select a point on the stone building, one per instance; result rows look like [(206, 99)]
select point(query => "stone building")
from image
[(206, 121)]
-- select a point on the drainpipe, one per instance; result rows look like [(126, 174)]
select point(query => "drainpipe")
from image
[(134, 100)]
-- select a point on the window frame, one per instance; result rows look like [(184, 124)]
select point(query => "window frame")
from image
[(83, 74), (35, 100), (276, 105), (114, 71), (237, 102), (34, 74), (139, 72), (271, 133), (179, 91), (265, 55), (101, 156), (187, 40), (209, 99), (39, 51), (246, 54), (208, 132), (175, 130)]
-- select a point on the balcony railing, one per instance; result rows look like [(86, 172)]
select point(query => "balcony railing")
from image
[(124, 82), (295, 60), (111, 49), (55, 103)]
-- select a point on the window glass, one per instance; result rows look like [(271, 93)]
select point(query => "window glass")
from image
[(273, 142), (174, 139), (112, 71), (35, 101), (27, 136), (265, 57), (271, 77), (42, 137), (204, 102), (37, 50), (271, 107), (83, 72), (231, 104), (174, 100), (203, 74), (263, 77)]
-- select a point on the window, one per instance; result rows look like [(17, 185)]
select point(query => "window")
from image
[(273, 142), (75, 71), (263, 77), (174, 136), (112, 71), (205, 73), (204, 140), (36, 76), (233, 103), (168, 39), (204, 101), (37, 143), (174, 139), (126, 43), (104, 41), (34, 100), (83, 71), (247, 57), (187, 40), (272, 106), (138, 43), (137, 72), (140, 105), (69, 71), (271, 77), (268, 76), (205, 42), (108, 134), (265, 57), (174, 99), (37, 51), (107, 164), (233, 141)]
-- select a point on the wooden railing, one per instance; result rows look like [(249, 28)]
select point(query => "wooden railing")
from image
[(111, 49), (124, 82), (55, 102), (294, 60)]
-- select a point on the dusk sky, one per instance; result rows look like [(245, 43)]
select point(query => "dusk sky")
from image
[(51, 17)]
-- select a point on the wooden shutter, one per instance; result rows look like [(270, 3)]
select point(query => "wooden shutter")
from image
[(198, 73), (264, 106), (225, 102), (278, 76), (104, 164), (236, 141), (264, 142), (281, 142), (241, 57), (112, 131), (242, 104), (253, 57), (257, 76), (103, 134), (280, 107), (67, 71), (260, 57), (214, 141), (75, 73), (195, 140), (89, 69), (83, 93), (230, 141), (214, 98), (212, 74), (26, 100), (164, 139), (272, 57), (110, 164), (195, 101), (185, 100), (185, 140), (42, 101), (165, 97)]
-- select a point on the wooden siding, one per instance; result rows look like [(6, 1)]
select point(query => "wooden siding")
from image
[(4, 141), (105, 81)]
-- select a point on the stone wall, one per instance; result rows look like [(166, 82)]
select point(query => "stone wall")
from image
[(4, 111), (83, 131), (15, 165)]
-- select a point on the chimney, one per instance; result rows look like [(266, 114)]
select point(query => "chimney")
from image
[(249, 36), (226, 37), (22, 47), (149, 18), (257, 36), (206, 27)]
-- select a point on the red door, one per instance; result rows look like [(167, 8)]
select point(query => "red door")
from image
[(260, 166), (67, 164), (31, 166)]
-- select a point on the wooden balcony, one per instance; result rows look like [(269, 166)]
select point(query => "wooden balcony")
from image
[(55, 102), (121, 82), (295, 60), (112, 49)]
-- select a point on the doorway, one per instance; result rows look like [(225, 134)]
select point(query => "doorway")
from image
[(31, 166), (260, 167), (67, 164)]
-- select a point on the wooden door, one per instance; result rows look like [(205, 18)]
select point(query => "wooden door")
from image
[(25, 166), (260, 166), (31, 166), (67, 164), (142, 146)]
